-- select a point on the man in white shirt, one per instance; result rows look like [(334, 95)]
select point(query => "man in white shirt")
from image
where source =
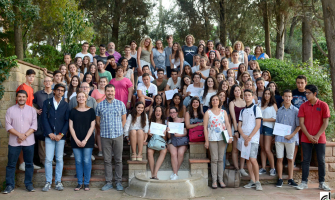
[(257, 74), (174, 81), (145, 69), (84, 52), (234, 60), (147, 91)]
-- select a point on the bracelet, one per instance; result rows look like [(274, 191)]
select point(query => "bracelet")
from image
[(230, 137), (235, 131)]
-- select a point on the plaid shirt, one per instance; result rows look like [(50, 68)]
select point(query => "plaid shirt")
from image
[(111, 118)]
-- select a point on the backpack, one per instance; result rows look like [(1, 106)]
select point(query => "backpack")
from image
[(254, 109)]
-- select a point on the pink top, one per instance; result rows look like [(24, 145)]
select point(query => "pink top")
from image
[(97, 95), (21, 120), (121, 89)]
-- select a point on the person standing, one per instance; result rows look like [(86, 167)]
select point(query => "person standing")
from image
[(247, 50), (90, 102), (189, 49), (143, 54), (157, 57), (123, 87), (168, 52), (92, 50), (102, 56), (111, 116), (132, 63), (81, 126), (56, 124), (103, 72), (111, 51), (314, 118), (21, 122), (84, 52)]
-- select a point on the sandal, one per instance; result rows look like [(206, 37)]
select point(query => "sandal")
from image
[(214, 185), (139, 158), (154, 177), (86, 187), (133, 157), (78, 187), (222, 185)]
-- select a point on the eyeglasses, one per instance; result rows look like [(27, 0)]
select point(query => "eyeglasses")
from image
[(172, 113), (59, 90), (84, 87), (308, 93), (47, 81)]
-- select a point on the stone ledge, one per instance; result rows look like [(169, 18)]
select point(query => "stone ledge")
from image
[(199, 161), (330, 144), (137, 162)]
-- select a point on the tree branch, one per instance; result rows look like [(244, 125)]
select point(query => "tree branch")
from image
[(315, 13), (319, 47)]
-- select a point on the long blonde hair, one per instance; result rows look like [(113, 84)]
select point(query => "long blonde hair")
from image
[(193, 39), (150, 45), (85, 101), (242, 46)]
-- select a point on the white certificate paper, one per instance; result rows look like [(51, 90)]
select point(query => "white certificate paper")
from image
[(282, 129), (239, 144), (169, 94), (245, 150), (157, 129), (176, 128)]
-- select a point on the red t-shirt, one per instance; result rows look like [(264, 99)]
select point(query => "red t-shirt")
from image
[(314, 115), (30, 92)]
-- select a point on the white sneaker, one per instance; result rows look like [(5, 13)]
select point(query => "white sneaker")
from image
[(92, 157), (174, 177), (22, 167), (36, 167), (171, 176), (243, 172), (100, 154), (72, 155)]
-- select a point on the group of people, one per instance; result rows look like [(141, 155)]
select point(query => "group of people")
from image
[(215, 91)]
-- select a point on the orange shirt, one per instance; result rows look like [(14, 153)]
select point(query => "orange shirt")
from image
[(30, 92)]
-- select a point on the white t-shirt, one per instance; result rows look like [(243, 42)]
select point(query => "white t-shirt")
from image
[(141, 81), (172, 85), (83, 55), (195, 91), (72, 95), (248, 120), (205, 73), (151, 90), (232, 65), (269, 112), (205, 102), (195, 68)]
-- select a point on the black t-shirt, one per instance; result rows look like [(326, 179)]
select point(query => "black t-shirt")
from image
[(189, 52), (103, 59), (111, 70), (298, 98), (81, 125), (131, 62)]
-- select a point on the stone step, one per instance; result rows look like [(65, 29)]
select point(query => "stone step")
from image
[(166, 165)]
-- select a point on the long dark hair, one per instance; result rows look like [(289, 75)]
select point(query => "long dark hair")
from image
[(191, 111), (272, 98), (182, 82), (239, 73), (172, 108), (71, 89), (84, 80), (272, 82), (259, 79), (184, 73), (153, 117), (220, 86), (203, 52), (225, 102), (83, 66), (134, 115), (177, 52), (180, 106), (154, 103), (215, 86), (207, 45), (231, 95)]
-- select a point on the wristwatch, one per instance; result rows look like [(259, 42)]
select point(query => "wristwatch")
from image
[(129, 101), (61, 134)]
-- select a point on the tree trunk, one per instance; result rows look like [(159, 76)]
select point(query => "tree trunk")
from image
[(307, 41), (292, 27), (266, 27), (329, 20), (280, 20), (116, 23), (223, 34), (18, 36)]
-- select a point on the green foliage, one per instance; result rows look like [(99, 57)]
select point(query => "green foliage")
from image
[(6, 64), (285, 73), (317, 53), (47, 56)]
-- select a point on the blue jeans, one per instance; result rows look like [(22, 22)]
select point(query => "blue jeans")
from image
[(52, 148), (266, 131), (83, 164), (13, 156)]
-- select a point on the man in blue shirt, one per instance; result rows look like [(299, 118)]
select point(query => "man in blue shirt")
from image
[(111, 117)]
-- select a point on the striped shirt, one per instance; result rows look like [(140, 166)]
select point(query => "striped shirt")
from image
[(111, 118)]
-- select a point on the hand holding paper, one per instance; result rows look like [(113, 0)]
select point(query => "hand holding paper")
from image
[(157, 129), (169, 94), (176, 128), (282, 129)]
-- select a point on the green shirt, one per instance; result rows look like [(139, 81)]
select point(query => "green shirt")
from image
[(106, 74)]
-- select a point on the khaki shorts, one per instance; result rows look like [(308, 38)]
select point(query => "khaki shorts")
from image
[(289, 149)]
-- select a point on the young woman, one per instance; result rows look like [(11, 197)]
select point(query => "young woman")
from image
[(211, 58), (73, 88), (200, 53), (232, 81), (73, 71), (123, 87), (230, 73), (243, 57), (137, 127), (269, 109), (143, 54), (81, 127), (79, 62), (215, 122), (185, 82), (67, 59), (241, 68), (99, 95), (88, 77), (213, 72), (86, 64), (249, 84), (224, 66), (177, 101), (236, 104), (222, 51), (127, 72), (217, 65), (177, 57), (224, 86), (196, 61), (95, 75), (158, 101), (133, 51), (266, 75), (244, 77), (274, 88), (220, 77), (157, 56), (203, 69), (254, 65), (229, 51), (194, 115), (193, 90), (260, 88), (187, 71), (259, 53), (210, 47), (64, 70), (157, 117), (177, 153), (211, 88)]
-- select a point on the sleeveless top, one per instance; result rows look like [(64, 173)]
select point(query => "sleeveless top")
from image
[(216, 124), (159, 58), (176, 62), (128, 74), (237, 112), (145, 55), (241, 56), (195, 120), (259, 57)]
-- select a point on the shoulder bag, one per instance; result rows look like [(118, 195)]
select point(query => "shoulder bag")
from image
[(196, 134), (157, 143)]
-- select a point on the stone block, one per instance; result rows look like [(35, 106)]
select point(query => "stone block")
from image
[(3, 151), (4, 142), (333, 151), (330, 176), (331, 167), (197, 148), (137, 166), (326, 167), (194, 166), (3, 133), (330, 159), (329, 151)]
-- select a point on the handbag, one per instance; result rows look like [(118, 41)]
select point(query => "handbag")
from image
[(157, 143), (232, 178), (179, 141), (196, 134)]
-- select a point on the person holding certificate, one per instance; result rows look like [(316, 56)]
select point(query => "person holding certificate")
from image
[(158, 116), (177, 152), (137, 126), (215, 123)]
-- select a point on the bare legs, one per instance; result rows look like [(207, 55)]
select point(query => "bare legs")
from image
[(154, 169), (265, 143), (177, 157), (137, 139), (235, 154), (253, 169)]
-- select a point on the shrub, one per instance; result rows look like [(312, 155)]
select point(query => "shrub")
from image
[(47, 55), (285, 73)]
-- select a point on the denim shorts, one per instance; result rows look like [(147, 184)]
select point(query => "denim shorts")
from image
[(267, 131)]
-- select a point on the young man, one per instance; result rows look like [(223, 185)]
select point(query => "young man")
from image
[(314, 117), (57, 79), (56, 124), (111, 51), (21, 122), (288, 115), (174, 81), (160, 82), (83, 53), (168, 52), (248, 126), (189, 49), (247, 51), (111, 117), (93, 50), (146, 92), (102, 56), (111, 65), (257, 74), (234, 61), (145, 69), (131, 61), (103, 72)]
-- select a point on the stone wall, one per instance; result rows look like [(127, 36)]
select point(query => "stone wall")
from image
[(17, 77)]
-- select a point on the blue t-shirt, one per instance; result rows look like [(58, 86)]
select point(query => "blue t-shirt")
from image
[(298, 98), (189, 52)]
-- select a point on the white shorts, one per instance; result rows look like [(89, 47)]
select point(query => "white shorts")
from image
[(290, 147)]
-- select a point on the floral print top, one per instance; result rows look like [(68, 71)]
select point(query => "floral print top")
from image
[(216, 125)]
